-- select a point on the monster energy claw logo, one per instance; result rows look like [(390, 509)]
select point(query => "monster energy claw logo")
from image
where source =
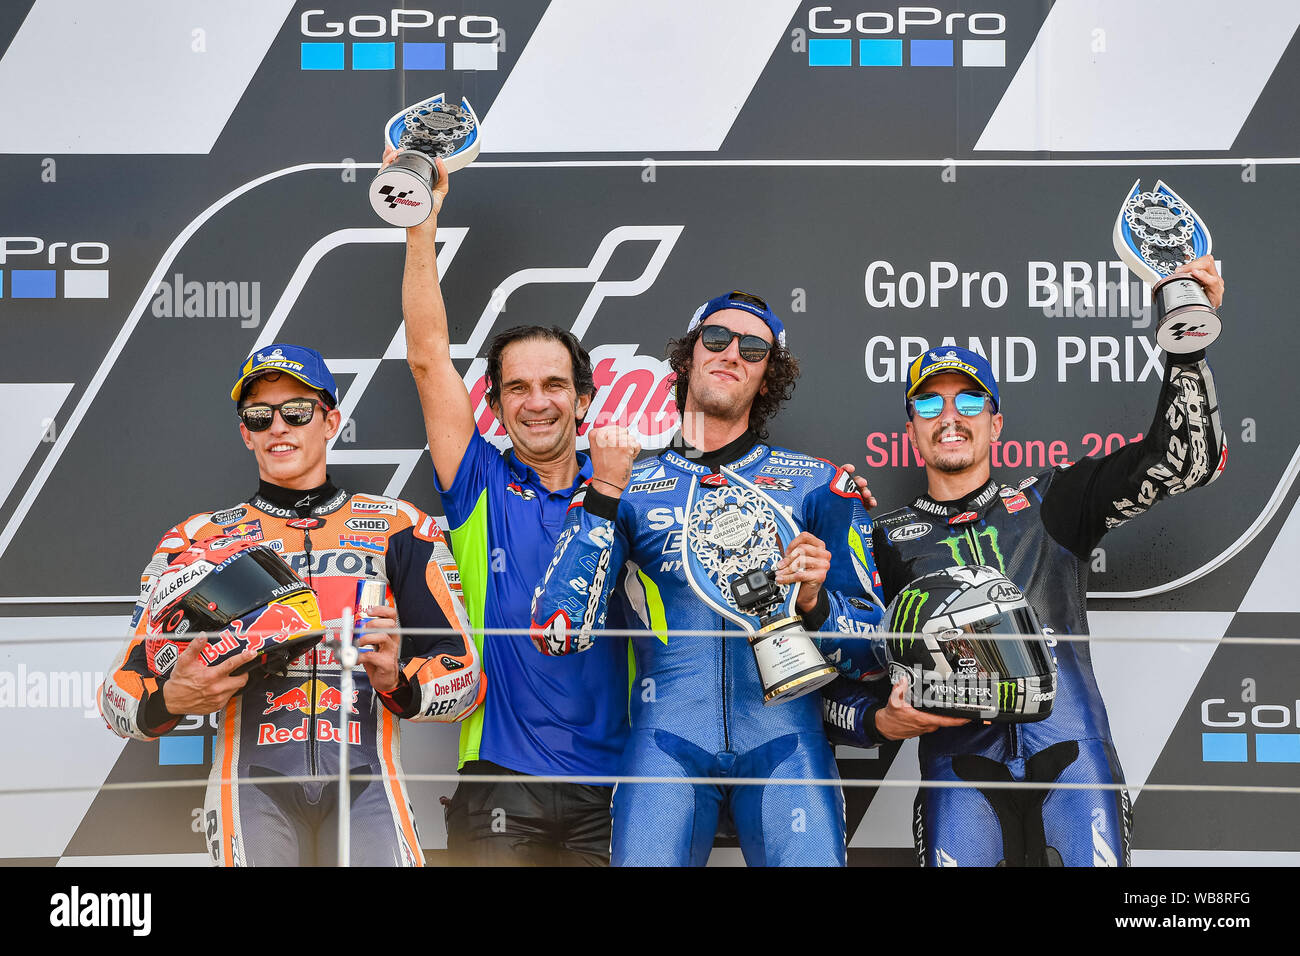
[(909, 604), (1007, 695), (979, 552)]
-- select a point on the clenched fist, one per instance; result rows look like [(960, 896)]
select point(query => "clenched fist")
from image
[(613, 450)]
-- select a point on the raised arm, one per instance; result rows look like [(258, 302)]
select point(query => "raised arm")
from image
[(1183, 449), (448, 415)]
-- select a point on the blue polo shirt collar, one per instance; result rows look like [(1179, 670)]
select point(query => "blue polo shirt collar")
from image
[(526, 475)]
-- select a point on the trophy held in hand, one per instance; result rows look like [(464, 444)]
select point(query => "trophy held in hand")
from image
[(1155, 233), (402, 192), (734, 537)]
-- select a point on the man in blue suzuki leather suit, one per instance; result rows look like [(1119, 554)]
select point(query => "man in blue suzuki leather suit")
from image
[(697, 702)]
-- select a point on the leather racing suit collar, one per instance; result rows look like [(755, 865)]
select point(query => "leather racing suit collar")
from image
[(322, 499), (977, 501), (712, 460)]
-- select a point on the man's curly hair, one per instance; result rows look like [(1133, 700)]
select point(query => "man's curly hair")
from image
[(780, 377)]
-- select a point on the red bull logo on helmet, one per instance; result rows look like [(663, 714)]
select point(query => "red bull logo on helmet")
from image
[(274, 625)]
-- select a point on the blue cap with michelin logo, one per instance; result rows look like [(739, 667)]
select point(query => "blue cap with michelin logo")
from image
[(306, 365), (746, 302), (952, 358)]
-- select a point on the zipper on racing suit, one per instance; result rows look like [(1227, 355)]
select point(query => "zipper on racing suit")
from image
[(311, 719), (726, 733)]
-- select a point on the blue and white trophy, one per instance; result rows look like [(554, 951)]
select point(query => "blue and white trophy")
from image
[(402, 192), (1155, 233), (734, 537)]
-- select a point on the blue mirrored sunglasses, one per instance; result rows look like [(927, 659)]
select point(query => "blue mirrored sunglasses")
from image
[(930, 404)]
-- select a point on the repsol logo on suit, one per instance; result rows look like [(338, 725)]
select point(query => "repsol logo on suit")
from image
[(335, 562)]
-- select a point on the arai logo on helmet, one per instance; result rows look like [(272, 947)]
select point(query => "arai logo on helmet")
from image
[(1005, 593)]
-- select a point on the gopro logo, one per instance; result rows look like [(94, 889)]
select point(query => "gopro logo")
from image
[(34, 281)]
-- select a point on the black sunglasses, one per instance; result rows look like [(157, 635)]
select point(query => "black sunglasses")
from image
[(296, 411), (716, 338)]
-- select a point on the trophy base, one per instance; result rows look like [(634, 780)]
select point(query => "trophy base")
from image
[(401, 193), (1185, 320), (789, 663)]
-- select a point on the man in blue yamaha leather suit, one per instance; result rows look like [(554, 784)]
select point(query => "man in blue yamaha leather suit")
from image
[(1040, 532), (697, 702)]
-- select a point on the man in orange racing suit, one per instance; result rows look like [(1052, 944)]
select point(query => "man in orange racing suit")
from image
[(276, 726)]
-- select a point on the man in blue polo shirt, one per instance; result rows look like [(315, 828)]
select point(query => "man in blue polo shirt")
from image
[(542, 716)]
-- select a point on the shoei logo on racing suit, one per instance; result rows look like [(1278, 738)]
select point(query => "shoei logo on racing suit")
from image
[(228, 517), (367, 524), (1005, 593), (38, 283), (909, 531), (528, 494)]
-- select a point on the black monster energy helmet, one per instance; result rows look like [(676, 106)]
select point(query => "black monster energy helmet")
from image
[(951, 668)]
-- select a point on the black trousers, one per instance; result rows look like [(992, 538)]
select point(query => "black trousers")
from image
[(524, 823)]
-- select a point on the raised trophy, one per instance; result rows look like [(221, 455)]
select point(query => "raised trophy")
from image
[(734, 537), (402, 192), (1155, 233)]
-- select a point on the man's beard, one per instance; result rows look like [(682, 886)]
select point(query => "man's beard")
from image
[(952, 465)]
